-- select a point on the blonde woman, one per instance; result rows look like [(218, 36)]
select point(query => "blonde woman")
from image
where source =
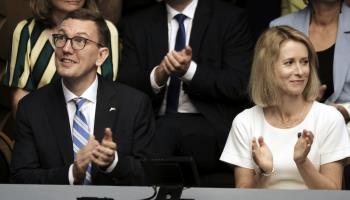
[(288, 140)]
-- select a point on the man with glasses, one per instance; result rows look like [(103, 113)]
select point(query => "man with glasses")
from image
[(81, 129)]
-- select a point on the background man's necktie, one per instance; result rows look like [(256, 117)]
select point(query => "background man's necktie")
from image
[(81, 134), (175, 83)]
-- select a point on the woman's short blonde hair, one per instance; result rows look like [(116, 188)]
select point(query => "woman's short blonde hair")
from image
[(263, 87), (42, 11)]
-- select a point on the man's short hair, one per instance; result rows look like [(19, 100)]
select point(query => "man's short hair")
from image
[(263, 88), (102, 28)]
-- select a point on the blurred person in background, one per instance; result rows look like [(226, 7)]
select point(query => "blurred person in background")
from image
[(327, 24)]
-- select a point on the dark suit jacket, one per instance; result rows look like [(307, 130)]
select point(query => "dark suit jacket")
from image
[(43, 148), (222, 48)]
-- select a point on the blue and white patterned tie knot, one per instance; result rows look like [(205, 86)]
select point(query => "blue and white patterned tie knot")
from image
[(79, 102), (180, 18)]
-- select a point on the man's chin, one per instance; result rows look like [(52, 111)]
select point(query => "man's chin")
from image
[(65, 73)]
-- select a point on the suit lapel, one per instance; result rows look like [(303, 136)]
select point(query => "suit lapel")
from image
[(59, 122), (199, 26), (105, 108), (159, 45)]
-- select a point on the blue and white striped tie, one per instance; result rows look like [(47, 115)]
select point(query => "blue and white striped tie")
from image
[(81, 134)]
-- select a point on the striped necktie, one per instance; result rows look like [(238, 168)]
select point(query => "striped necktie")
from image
[(81, 134)]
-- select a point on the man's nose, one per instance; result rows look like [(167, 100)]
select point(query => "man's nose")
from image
[(68, 46)]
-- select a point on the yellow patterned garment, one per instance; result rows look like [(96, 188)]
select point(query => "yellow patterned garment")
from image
[(32, 59), (289, 6)]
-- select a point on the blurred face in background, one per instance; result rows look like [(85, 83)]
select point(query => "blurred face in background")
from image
[(347, 2), (65, 6), (324, 1)]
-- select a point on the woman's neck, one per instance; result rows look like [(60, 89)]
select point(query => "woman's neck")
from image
[(324, 24), (325, 13), (289, 113), (290, 106)]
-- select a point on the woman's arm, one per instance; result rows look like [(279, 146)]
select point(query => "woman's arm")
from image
[(17, 95), (344, 109), (248, 178), (329, 176)]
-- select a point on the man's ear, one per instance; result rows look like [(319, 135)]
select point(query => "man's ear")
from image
[(102, 56)]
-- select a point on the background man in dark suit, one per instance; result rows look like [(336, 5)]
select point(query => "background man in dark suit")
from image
[(50, 145), (212, 69)]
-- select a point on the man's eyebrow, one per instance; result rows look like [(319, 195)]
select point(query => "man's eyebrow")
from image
[(60, 30), (82, 33), (79, 33)]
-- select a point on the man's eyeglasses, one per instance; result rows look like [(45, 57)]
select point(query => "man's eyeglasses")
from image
[(77, 42)]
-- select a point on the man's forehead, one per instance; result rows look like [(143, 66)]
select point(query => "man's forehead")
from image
[(78, 26)]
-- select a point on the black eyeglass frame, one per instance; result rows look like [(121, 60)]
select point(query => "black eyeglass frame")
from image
[(56, 37)]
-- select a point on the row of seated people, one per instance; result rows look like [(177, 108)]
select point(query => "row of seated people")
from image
[(197, 85)]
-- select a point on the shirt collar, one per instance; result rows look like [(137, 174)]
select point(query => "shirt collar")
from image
[(188, 11), (89, 94)]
